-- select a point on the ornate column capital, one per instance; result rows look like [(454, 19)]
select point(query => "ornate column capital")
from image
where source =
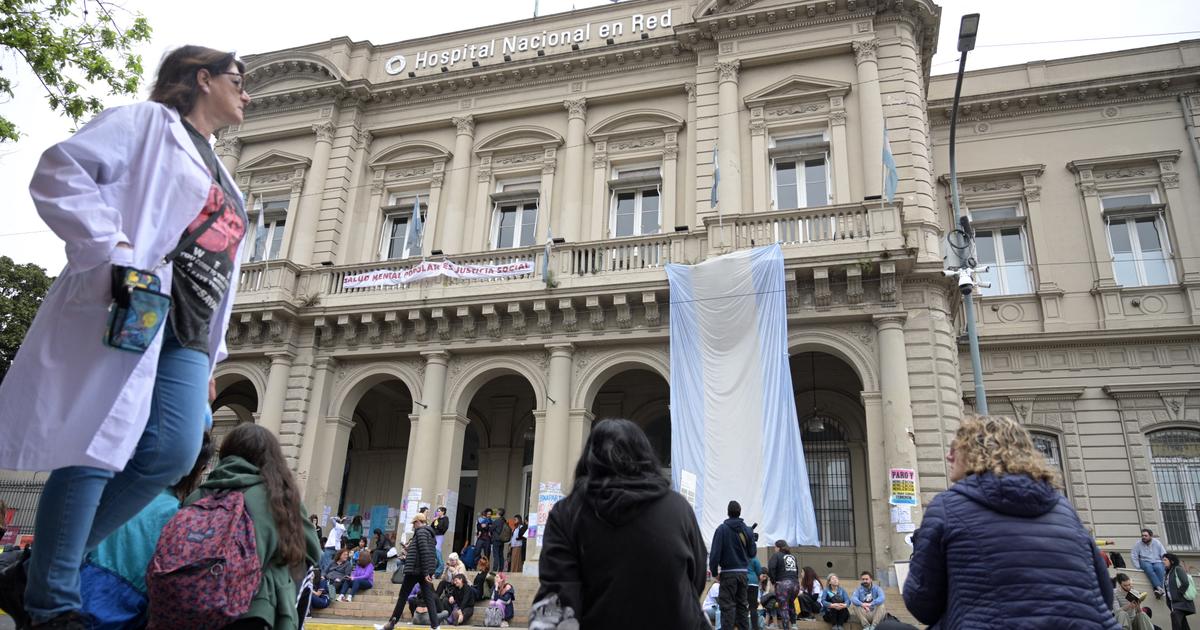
[(561, 350), (281, 358), (837, 118), (758, 127), (436, 357), (229, 146), (464, 124), (890, 321), (864, 50), (363, 138), (690, 88), (576, 107), (324, 131), (728, 70)]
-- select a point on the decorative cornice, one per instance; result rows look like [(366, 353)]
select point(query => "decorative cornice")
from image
[(229, 146), (1149, 390), (1028, 393), (1076, 166), (690, 88), (1104, 91)]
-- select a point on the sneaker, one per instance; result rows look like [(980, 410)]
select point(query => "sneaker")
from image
[(1158, 593), (349, 598), (503, 624)]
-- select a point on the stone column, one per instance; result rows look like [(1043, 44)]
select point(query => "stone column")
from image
[(229, 149), (410, 453), (668, 203), (760, 168), (729, 141), (322, 379), (577, 434), (532, 549), (450, 240), (426, 453), (432, 234), (841, 157), (899, 451), (571, 219), (355, 224), (272, 404), (546, 201), (453, 434), (373, 223), (870, 114), (688, 216), (553, 434), (337, 440), (308, 214)]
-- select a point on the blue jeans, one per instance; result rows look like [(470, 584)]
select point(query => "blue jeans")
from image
[(1155, 571), (326, 559), (352, 587), (81, 505), (497, 555)]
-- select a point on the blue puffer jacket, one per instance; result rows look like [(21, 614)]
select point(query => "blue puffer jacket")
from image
[(1006, 552)]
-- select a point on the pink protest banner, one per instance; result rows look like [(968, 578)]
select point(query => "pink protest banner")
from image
[(429, 269)]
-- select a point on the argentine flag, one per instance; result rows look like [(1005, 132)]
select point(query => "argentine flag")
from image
[(734, 430), (891, 179)]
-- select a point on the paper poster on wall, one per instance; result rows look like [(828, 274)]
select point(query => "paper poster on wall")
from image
[(901, 514), (532, 524), (687, 486), (904, 486), (451, 505), (325, 512), (904, 528), (411, 505), (352, 510), (549, 493)]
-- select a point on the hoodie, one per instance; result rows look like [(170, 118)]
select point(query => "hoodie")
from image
[(1006, 551), (732, 547), (625, 553), (275, 600)]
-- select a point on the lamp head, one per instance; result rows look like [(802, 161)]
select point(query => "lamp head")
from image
[(967, 30)]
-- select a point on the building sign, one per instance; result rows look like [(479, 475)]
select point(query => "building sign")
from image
[(904, 486), (546, 40), (429, 269)]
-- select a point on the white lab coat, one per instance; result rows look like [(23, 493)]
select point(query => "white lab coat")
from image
[(133, 174)]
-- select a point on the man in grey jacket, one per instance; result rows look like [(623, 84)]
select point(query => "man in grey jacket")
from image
[(1147, 555), (419, 566)]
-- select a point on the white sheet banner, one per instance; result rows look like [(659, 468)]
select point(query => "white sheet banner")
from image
[(431, 268), (734, 430)]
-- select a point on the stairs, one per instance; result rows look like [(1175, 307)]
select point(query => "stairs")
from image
[(375, 606)]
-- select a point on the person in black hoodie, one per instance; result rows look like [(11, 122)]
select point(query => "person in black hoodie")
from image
[(600, 564), (732, 547)]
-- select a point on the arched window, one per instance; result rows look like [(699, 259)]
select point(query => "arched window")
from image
[(1175, 460), (828, 460)]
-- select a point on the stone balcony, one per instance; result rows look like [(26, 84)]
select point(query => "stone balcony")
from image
[(830, 254)]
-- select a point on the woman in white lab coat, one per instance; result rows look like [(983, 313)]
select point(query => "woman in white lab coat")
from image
[(117, 427)]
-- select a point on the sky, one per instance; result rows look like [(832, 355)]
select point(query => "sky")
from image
[(1007, 35)]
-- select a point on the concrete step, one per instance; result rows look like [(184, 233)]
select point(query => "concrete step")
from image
[(376, 604)]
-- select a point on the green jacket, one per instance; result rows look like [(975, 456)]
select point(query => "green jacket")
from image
[(275, 600)]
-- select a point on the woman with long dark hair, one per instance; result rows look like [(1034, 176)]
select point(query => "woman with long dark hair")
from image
[(1005, 519), (253, 463), (600, 561), (114, 408), (784, 571), (1176, 583), (810, 594)]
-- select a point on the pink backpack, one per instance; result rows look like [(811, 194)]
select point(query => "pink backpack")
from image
[(205, 570)]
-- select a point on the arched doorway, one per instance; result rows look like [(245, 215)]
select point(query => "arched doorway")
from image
[(236, 402), (643, 396), (828, 395), (497, 453), (373, 479)]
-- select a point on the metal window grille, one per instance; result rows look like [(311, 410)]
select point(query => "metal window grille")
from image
[(1047, 445), (22, 495), (1175, 460), (829, 480)]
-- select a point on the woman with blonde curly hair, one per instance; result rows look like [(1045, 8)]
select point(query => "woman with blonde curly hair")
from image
[(1003, 547)]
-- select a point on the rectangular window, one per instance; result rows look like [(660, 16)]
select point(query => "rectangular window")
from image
[(516, 224), (800, 167), (1137, 240), (1000, 244), (266, 245), (396, 242), (636, 196)]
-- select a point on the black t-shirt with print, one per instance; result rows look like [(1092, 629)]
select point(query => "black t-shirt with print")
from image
[(202, 272)]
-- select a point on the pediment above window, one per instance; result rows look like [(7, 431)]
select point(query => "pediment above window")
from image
[(287, 71), (272, 160), (637, 122), (410, 152), (517, 139), (273, 169), (798, 89)]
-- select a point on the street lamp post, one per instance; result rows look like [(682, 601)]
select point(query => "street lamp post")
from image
[(966, 270)]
